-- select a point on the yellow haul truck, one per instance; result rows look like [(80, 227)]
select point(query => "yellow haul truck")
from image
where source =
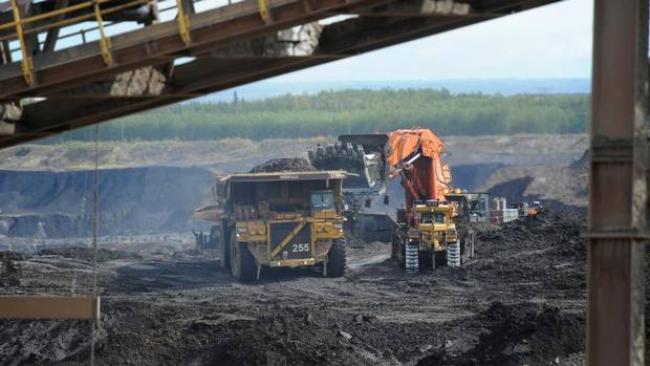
[(284, 219)]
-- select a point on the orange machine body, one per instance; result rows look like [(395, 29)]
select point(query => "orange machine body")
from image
[(426, 177)]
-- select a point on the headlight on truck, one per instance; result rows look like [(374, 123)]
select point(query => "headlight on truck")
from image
[(451, 235), (338, 227), (242, 230)]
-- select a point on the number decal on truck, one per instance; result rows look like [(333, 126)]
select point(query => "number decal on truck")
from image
[(300, 247)]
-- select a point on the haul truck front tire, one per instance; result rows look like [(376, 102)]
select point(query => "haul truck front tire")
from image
[(242, 262), (224, 248), (336, 259)]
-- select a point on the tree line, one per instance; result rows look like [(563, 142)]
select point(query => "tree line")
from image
[(352, 111)]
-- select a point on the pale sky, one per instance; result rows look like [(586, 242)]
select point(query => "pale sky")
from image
[(553, 41)]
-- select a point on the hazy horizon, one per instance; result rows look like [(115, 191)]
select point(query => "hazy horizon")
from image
[(505, 86)]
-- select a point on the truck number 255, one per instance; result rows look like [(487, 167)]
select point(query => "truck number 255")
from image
[(300, 247)]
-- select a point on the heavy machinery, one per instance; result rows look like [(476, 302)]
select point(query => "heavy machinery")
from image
[(530, 209), (370, 214), (279, 219), (427, 229), (428, 224), (473, 206)]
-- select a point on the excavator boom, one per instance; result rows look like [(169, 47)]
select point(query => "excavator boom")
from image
[(415, 155)]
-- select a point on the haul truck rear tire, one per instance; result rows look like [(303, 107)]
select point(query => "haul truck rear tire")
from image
[(224, 248), (336, 259), (242, 262)]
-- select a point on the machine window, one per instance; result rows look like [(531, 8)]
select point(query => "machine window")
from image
[(323, 200), (433, 218)]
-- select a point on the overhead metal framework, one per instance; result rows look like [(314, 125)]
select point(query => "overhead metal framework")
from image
[(73, 74)]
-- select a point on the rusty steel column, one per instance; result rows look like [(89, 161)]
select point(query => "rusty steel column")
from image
[(618, 185)]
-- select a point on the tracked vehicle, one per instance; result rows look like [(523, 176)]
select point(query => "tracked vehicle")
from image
[(283, 219)]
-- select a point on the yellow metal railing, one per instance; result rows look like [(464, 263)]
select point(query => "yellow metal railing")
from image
[(24, 26), (264, 10), (82, 32), (26, 62), (104, 42), (183, 23)]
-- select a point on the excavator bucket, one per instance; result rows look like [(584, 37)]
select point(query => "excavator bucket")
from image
[(362, 155)]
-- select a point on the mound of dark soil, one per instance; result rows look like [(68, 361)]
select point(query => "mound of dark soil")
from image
[(548, 230), (10, 273), (522, 334), (142, 333), (86, 254), (43, 342), (284, 165), (547, 250), (284, 336)]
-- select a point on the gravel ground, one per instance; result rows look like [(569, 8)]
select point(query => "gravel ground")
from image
[(520, 301)]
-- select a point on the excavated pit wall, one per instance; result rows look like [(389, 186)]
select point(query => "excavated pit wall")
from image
[(42, 204), (154, 200)]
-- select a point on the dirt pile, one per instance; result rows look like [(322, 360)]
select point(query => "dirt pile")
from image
[(287, 336), (522, 334), (549, 231), (546, 251), (526, 335), (63, 340), (283, 165), (10, 273), (87, 254)]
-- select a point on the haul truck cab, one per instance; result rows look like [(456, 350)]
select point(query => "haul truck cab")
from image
[(285, 219)]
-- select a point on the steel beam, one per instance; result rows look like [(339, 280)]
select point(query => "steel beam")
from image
[(53, 34), (137, 13), (618, 184), (143, 47), (338, 40)]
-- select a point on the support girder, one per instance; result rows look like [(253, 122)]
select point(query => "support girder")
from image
[(618, 184), (209, 74), (145, 47)]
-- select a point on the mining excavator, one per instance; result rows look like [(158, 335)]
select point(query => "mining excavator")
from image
[(433, 224)]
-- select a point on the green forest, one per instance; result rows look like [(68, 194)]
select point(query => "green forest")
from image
[(352, 111)]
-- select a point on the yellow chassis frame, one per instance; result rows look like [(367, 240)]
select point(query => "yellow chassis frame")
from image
[(273, 252), (300, 225)]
